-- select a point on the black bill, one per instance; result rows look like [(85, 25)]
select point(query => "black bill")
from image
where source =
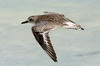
[(24, 22)]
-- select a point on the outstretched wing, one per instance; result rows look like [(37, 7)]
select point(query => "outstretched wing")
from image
[(44, 41)]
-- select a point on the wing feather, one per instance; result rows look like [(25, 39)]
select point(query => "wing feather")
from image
[(44, 40)]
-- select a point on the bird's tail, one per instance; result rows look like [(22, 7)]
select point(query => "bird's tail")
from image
[(72, 25), (77, 26)]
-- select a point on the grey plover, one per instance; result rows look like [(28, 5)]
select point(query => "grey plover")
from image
[(43, 24)]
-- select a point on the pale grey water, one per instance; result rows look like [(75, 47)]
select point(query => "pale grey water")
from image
[(74, 48)]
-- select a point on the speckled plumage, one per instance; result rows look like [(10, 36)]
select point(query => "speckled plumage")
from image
[(43, 24)]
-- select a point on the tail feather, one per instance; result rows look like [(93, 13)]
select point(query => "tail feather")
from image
[(71, 25)]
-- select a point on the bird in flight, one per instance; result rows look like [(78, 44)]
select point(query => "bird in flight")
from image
[(46, 22)]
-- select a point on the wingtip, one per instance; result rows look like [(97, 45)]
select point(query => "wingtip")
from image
[(55, 61), (82, 28)]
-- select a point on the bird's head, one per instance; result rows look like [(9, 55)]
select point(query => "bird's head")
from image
[(31, 19)]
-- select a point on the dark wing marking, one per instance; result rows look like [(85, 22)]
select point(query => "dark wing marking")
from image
[(44, 41)]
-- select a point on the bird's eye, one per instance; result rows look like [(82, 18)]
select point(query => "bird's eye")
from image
[(31, 20)]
